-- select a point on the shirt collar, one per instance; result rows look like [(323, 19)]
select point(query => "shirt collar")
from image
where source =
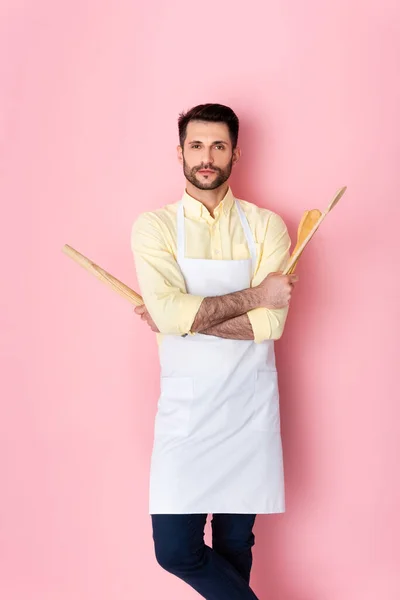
[(196, 208)]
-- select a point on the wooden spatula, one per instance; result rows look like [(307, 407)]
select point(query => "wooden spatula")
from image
[(295, 256)]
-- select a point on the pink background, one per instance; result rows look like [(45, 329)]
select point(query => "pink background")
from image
[(90, 94)]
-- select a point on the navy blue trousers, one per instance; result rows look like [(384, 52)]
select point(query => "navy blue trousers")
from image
[(218, 573)]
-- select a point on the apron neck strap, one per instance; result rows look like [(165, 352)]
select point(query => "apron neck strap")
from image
[(249, 237), (180, 228)]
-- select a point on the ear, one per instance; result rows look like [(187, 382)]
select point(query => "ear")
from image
[(237, 153), (179, 152)]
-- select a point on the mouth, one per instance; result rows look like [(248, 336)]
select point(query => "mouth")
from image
[(206, 172)]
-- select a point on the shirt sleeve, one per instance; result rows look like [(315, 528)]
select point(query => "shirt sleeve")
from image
[(160, 279), (275, 252)]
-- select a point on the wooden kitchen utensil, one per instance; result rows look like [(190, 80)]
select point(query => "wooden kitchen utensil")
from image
[(122, 289), (310, 217), (295, 256)]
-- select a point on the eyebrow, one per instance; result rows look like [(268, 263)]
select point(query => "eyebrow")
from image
[(216, 142)]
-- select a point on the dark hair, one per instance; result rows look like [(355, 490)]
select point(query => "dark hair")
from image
[(213, 113)]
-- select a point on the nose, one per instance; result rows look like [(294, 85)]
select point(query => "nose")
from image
[(207, 158)]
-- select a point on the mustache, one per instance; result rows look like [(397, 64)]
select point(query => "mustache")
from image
[(216, 170)]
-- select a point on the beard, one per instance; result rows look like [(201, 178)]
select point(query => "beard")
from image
[(222, 175)]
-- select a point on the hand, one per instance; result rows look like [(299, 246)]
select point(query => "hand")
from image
[(145, 316), (275, 290)]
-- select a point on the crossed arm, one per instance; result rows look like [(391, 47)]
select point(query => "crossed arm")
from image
[(223, 316), (237, 328), (227, 316), (170, 310)]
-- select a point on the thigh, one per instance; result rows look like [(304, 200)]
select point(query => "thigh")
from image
[(233, 532), (178, 538)]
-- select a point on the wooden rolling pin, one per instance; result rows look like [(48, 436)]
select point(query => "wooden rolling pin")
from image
[(117, 285)]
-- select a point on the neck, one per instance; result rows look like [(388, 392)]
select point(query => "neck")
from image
[(210, 198)]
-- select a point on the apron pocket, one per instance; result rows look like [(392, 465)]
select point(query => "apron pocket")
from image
[(174, 406), (266, 415)]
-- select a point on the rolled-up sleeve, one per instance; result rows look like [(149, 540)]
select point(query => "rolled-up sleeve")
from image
[(275, 252), (160, 279)]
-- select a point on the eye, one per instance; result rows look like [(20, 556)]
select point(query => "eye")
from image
[(220, 147), (195, 146)]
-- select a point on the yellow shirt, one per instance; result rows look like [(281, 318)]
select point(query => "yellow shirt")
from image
[(154, 247)]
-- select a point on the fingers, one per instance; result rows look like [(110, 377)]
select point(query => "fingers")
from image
[(139, 310), (145, 316), (143, 313), (292, 280)]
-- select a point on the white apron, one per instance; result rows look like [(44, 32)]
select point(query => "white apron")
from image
[(217, 443)]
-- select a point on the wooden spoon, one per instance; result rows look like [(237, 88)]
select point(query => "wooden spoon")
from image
[(310, 217), (295, 256)]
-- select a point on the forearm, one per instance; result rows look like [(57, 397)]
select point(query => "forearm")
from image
[(237, 328), (215, 310), (253, 325)]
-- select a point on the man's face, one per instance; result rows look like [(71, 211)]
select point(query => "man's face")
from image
[(207, 155)]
